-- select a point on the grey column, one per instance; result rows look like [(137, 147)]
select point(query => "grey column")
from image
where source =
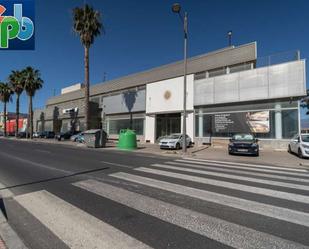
[(200, 123), (278, 121)]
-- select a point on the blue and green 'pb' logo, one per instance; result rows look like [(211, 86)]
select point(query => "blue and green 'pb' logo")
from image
[(17, 25)]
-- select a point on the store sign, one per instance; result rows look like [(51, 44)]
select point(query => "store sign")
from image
[(244, 122), (17, 25)]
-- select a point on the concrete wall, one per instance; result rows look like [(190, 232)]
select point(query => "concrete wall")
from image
[(219, 58), (278, 81), (131, 100), (167, 95), (150, 128)]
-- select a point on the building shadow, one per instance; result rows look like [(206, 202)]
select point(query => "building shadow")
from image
[(129, 100)]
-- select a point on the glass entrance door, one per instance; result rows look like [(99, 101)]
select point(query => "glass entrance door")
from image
[(167, 124)]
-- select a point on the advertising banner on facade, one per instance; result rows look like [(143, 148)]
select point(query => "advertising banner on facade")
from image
[(242, 122)]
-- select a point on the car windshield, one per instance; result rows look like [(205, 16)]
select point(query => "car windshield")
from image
[(243, 137), (173, 136), (305, 138)]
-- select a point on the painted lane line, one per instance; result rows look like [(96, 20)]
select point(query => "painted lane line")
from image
[(229, 185), (117, 164), (73, 226), (216, 229), (253, 174), (304, 174), (248, 164), (229, 176), (280, 213)]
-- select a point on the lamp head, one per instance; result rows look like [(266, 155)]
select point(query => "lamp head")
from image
[(176, 8)]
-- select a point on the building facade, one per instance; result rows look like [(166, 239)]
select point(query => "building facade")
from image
[(228, 91)]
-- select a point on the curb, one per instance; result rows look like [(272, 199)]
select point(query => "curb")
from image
[(7, 234)]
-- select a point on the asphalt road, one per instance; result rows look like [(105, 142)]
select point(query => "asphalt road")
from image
[(56, 196)]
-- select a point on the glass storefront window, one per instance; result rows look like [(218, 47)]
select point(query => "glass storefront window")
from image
[(236, 122), (116, 125)]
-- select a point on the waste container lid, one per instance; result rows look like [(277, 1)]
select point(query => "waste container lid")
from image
[(93, 131)]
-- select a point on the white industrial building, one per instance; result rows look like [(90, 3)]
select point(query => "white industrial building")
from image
[(228, 91)]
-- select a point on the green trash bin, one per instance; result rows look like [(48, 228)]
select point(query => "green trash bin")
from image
[(127, 140)]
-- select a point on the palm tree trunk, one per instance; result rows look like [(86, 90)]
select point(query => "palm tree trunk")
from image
[(17, 115), (31, 116), (87, 114), (4, 117)]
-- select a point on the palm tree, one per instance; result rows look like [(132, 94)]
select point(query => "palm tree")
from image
[(16, 81), (5, 97), (86, 24), (32, 83)]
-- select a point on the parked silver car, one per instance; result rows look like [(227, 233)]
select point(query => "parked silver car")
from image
[(300, 145), (174, 141)]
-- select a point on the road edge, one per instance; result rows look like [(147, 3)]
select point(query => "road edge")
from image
[(7, 234)]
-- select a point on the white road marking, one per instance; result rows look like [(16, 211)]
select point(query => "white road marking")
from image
[(5, 192), (280, 213), (226, 170), (73, 226), (117, 164), (304, 174), (230, 185), (44, 151), (248, 179), (248, 164), (216, 229)]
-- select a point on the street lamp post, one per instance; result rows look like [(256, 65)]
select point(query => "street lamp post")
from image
[(177, 9)]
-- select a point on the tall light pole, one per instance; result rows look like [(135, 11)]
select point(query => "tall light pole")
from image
[(177, 9), (229, 34)]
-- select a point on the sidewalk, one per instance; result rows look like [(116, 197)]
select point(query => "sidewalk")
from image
[(267, 157)]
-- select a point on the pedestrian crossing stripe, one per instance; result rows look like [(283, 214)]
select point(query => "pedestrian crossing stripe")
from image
[(246, 164), (302, 173), (217, 229), (73, 226), (78, 229), (280, 213), (232, 171), (230, 185)]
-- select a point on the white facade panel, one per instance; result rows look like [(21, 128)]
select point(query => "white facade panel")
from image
[(150, 128), (286, 80), (253, 84), (227, 90), (167, 95), (204, 91), (278, 81)]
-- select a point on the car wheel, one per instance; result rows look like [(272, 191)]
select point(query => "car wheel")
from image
[(230, 153), (300, 154), (257, 154), (289, 149), (177, 146)]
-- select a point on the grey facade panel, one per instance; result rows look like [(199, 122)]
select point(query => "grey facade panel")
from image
[(220, 58), (278, 81), (130, 101)]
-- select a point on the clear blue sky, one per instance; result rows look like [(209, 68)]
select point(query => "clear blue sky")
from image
[(144, 34)]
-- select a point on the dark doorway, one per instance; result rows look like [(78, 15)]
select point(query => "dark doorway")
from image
[(167, 124)]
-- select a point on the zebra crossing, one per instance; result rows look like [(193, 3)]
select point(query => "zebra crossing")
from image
[(233, 204)]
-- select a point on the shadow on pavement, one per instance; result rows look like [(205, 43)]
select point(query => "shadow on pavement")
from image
[(3, 210), (54, 179)]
